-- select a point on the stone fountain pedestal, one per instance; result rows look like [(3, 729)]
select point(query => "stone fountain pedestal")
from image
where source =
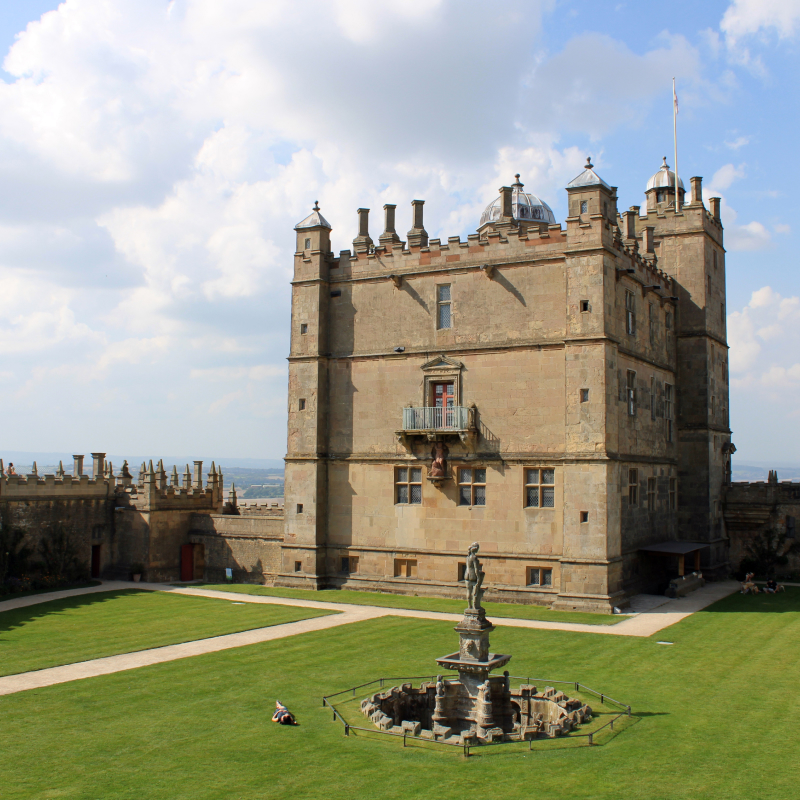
[(477, 705)]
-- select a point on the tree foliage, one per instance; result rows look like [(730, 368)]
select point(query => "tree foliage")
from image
[(767, 551)]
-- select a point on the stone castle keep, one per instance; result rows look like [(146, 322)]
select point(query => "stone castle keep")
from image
[(556, 391)]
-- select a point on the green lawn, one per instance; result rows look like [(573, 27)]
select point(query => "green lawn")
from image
[(714, 718), (106, 623), (386, 600)]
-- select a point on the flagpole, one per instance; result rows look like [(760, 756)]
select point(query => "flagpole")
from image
[(675, 137)]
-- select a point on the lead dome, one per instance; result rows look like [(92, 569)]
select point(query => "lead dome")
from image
[(664, 179), (525, 207)]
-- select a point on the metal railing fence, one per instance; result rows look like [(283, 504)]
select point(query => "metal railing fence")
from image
[(455, 418), (381, 682)]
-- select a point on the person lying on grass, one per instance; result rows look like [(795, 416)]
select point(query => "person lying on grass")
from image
[(282, 715)]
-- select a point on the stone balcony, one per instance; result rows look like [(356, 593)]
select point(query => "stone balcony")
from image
[(439, 423)]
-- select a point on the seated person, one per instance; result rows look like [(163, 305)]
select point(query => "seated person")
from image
[(773, 587), (749, 586), (282, 715)]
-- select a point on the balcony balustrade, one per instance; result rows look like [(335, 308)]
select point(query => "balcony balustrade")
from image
[(450, 419)]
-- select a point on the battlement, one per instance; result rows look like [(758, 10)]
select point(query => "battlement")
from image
[(268, 509), (152, 485)]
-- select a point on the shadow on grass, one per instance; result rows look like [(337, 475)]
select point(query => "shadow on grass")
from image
[(17, 617), (761, 603), (515, 748)]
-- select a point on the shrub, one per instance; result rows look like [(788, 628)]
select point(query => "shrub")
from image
[(60, 556), (767, 551)]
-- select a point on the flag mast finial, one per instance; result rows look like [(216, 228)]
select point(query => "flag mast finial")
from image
[(675, 137)]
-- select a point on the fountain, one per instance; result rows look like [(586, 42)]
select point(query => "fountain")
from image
[(477, 707)]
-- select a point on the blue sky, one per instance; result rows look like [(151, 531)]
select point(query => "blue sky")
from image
[(155, 156)]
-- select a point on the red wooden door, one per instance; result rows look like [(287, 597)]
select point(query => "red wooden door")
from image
[(444, 397), (187, 562), (96, 560)]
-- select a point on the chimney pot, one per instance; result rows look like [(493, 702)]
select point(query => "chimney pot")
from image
[(697, 190), (417, 236), (714, 203)]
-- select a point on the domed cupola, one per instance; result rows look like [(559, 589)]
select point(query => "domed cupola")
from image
[(660, 189), (525, 207)]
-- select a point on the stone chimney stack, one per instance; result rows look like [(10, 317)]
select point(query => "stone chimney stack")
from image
[(362, 243), (629, 222), (198, 475), (506, 208), (649, 239), (77, 466), (389, 235), (714, 207), (417, 236), (98, 465), (697, 190)]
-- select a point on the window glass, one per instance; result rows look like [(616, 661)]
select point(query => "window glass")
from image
[(444, 317), (540, 488), (408, 485), (547, 577), (633, 487)]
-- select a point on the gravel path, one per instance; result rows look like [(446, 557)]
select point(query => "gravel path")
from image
[(645, 623)]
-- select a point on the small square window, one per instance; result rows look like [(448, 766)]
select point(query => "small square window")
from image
[(336, 293), (584, 305), (298, 566), (408, 485), (303, 328), (584, 516), (405, 568), (584, 395), (584, 207), (301, 405), (308, 244), (539, 576), (471, 487), (299, 508), (540, 490)]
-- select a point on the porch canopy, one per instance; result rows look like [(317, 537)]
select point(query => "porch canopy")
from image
[(679, 549)]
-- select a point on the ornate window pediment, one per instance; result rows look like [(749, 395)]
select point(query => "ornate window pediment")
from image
[(442, 364)]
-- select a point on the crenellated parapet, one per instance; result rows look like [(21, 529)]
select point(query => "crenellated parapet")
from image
[(155, 489)]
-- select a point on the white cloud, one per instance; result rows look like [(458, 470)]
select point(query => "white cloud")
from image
[(739, 141), (746, 23), (763, 336), (570, 90), (749, 17)]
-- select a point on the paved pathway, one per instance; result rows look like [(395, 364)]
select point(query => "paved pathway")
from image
[(645, 623)]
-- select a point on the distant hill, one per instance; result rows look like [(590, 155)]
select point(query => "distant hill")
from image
[(748, 472)]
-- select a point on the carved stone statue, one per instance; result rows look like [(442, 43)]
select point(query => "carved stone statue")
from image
[(439, 686), (439, 463), (473, 577)]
